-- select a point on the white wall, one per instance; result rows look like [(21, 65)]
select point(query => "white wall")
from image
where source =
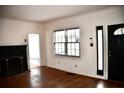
[(13, 32), (86, 64)]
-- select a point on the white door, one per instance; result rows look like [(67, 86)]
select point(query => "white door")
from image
[(34, 50)]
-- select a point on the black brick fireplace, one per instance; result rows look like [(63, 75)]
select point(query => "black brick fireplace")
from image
[(13, 60)]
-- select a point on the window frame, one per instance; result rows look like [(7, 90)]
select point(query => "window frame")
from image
[(58, 42), (100, 72), (66, 42)]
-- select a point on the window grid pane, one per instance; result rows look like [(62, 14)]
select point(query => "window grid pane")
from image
[(59, 36), (73, 38), (73, 49), (60, 48), (67, 42)]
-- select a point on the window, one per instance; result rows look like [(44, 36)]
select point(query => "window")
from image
[(67, 42), (59, 42), (100, 54), (119, 31)]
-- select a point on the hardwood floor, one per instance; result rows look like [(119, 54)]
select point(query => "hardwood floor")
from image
[(45, 77)]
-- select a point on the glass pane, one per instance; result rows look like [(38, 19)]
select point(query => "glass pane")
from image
[(77, 35), (59, 36), (69, 36), (73, 35), (77, 52), (56, 48), (63, 36), (73, 49), (77, 45), (69, 48), (56, 35), (100, 50), (73, 52), (63, 51), (63, 48), (73, 45), (60, 48), (73, 38), (119, 31), (62, 39)]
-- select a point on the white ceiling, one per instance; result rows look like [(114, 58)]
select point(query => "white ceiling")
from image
[(43, 13)]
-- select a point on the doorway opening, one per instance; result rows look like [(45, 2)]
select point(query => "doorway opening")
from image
[(34, 50)]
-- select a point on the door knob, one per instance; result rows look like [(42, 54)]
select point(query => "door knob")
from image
[(109, 51)]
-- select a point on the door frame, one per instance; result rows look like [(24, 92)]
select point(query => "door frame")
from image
[(28, 57)]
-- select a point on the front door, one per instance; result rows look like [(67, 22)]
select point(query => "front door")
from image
[(116, 52)]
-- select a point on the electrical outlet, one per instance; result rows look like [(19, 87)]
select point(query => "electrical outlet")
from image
[(75, 65)]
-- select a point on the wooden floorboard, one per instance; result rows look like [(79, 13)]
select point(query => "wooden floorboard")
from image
[(45, 77)]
